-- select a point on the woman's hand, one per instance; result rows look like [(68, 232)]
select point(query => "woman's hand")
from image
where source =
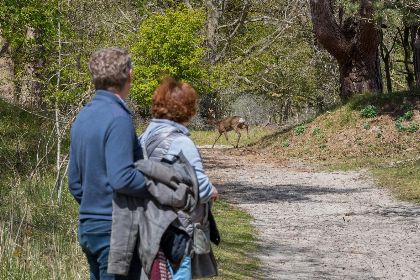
[(214, 195)]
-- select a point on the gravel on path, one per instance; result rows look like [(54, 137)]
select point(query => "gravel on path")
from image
[(320, 225)]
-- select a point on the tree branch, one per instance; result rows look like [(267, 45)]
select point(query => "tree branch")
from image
[(327, 31)]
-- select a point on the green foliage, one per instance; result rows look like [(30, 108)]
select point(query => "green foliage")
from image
[(366, 126), (168, 44), (370, 111), (316, 132), (285, 143), (30, 29), (413, 127), (408, 115), (300, 129)]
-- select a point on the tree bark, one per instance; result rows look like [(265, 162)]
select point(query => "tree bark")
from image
[(7, 85), (213, 16), (416, 54), (354, 45), (405, 41)]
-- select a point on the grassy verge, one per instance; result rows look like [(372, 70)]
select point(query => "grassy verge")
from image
[(370, 132), (208, 137), (403, 179), (235, 254)]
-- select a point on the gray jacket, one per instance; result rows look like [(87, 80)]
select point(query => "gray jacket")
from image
[(156, 146), (139, 222)]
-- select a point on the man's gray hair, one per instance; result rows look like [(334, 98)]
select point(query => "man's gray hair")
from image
[(109, 68)]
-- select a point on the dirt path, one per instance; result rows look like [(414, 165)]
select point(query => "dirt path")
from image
[(317, 225)]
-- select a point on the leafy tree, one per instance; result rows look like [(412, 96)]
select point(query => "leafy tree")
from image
[(29, 28), (170, 43)]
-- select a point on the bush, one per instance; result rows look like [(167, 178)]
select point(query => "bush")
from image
[(300, 130), (316, 131), (369, 111), (408, 115), (413, 127), (366, 126)]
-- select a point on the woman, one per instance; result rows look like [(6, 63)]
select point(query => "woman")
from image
[(173, 105)]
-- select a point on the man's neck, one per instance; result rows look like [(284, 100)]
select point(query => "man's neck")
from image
[(119, 95)]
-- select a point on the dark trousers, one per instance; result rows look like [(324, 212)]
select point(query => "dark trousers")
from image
[(94, 237)]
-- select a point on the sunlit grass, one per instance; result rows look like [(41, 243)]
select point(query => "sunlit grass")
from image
[(201, 137), (236, 253), (403, 179)]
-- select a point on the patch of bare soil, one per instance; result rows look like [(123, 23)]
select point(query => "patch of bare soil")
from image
[(320, 225)]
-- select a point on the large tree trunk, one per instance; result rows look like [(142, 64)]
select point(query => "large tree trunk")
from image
[(354, 44), (360, 75)]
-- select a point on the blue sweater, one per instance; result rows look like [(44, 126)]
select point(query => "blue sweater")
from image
[(103, 149)]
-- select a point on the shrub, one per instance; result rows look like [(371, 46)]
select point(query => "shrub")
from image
[(316, 131), (366, 126), (413, 127), (408, 115), (285, 143), (399, 126), (300, 129), (369, 111)]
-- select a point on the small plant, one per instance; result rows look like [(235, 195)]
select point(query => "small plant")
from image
[(369, 111), (300, 129), (366, 126), (407, 106), (413, 127), (316, 131), (285, 143), (408, 115), (399, 125), (323, 146)]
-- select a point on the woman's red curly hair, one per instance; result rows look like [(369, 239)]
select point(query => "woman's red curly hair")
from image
[(173, 100)]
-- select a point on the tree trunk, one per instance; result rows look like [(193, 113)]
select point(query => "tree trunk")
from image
[(213, 16), (416, 54), (7, 85), (360, 75), (405, 41), (354, 44), (387, 66)]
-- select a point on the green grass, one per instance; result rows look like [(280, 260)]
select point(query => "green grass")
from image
[(403, 179), (235, 254), (201, 137)]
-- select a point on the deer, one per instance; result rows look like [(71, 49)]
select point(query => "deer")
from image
[(227, 124)]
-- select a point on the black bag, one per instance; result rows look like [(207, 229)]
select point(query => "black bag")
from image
[(214, 232), (174, 243)]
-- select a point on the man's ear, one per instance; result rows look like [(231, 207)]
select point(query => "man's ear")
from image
[(130, 75)]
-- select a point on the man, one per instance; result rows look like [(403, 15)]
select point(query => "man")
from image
[(103, 150)]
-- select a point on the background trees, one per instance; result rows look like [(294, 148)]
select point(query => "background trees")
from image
[(169, 43), (264, 51)]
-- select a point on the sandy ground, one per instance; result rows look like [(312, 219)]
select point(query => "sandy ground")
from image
[(320, 225)]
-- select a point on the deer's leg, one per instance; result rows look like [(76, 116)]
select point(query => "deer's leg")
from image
[(237, 130), (220, 134), (247, 133), (225, 133)]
